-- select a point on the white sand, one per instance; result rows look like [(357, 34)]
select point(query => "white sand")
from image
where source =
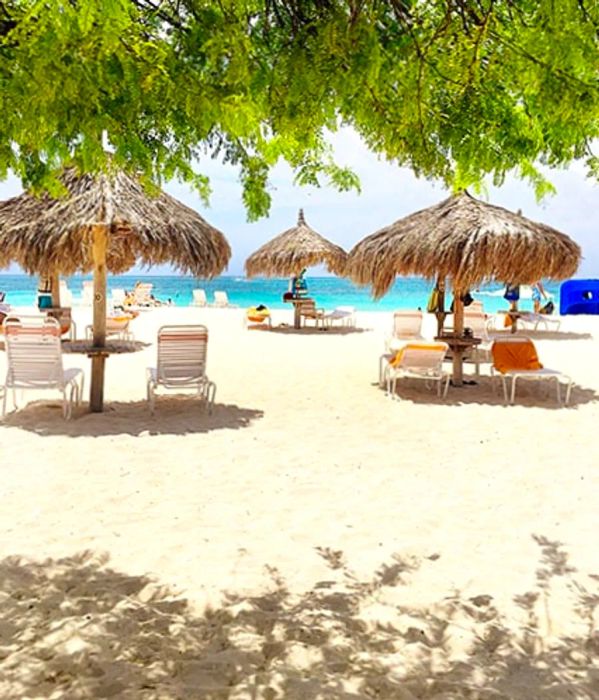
[(305, 464)]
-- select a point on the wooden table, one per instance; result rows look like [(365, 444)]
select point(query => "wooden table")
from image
[(458, 344), (99, 355), (112, 347)]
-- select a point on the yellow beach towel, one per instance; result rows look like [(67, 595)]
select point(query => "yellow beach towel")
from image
[(257, 316), (395, 361)]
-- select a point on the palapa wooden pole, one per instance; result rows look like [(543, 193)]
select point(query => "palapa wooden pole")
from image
[(55, 287), (458, 329), (96, 397)]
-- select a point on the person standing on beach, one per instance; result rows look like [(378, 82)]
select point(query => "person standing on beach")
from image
[(538, 291)]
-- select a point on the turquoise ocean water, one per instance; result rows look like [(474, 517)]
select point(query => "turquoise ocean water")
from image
[(406, 293)]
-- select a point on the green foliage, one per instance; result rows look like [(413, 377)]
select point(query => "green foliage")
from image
[(455, 90)]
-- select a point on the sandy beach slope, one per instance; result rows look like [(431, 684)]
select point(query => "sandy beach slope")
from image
[(311, 538)]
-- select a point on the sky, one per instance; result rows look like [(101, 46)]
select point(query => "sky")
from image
[(387, 193)]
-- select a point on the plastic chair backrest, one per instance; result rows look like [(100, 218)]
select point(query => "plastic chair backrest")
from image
[(182, 353), (476, 321), (33, 349), (407, 324), (199, 296), (221, 299), (142, 292), (87, 292), (307, 308)]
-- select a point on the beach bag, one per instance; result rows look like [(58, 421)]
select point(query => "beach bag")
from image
[(512, 292), (433, 302), (549, 308)]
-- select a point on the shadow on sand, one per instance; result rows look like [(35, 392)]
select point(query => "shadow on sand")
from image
[(174, 415), (541, 335), (529, 394), (113, 347), (311, 330), (75, 628)]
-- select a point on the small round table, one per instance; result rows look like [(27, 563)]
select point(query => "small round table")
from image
[(459, 345), (98, 356)]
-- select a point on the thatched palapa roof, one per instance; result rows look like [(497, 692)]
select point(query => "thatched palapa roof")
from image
[(43, 234), (294, 249), (467, 241)]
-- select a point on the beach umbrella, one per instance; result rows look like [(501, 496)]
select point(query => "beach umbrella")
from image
[(293, 250), (104, 223), (467, 241)]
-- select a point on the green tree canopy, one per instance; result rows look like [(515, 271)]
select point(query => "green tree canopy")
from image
[(455, 89)]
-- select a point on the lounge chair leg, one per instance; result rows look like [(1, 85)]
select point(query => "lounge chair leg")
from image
[(446, 387), (505, 398), (4, 397), (568, 390), (559, 398), (390, 385), (513, 396), (210, 393)]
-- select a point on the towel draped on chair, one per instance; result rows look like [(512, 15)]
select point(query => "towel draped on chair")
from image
[(515, 355), (395, 361)]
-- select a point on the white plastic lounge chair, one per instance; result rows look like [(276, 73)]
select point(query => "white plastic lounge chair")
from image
[(478, 324), (309, 312), (515, 374), (116, 327), (118, 297), (142, 294), (345, 315), (422, 360), (87, 293), (221, 300), (407, 325), (199, 298), (66, 296), (35, 361), (181, 363), (65, 320), (532, 321)]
